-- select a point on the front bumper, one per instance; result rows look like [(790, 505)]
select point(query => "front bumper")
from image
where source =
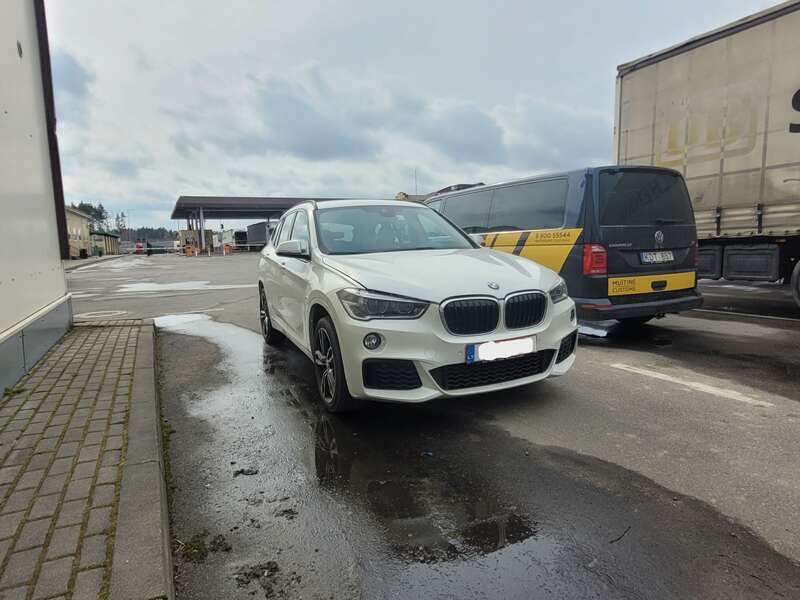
[(427, 344), (601, 309)]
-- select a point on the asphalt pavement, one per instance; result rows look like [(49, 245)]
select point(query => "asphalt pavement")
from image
[(663, 465), (758, 298)]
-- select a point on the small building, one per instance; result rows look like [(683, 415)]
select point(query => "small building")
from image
[(234, 237), (80, 240), (104, 243), (191, 237)]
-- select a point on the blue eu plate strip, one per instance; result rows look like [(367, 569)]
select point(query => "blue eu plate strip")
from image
[(471, 354)]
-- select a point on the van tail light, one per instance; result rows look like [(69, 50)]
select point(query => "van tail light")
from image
[(595, 259), (696, 253)]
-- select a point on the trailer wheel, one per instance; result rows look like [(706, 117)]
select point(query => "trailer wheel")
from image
[(796, 283)]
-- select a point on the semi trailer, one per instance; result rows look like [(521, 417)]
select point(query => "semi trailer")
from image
[(723, 108)]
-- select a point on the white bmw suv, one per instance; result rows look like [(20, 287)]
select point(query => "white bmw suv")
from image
[(393, 302)]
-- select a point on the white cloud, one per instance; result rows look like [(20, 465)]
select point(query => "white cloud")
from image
[(160, 99)]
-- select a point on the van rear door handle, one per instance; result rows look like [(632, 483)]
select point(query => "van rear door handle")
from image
[(659, 285)]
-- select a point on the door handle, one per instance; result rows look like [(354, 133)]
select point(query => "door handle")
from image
[(659, 285)]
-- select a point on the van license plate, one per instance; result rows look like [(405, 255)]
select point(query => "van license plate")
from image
[(505, 349), (652, 258)]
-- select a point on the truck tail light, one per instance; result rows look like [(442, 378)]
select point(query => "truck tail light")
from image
[(696, 253), (595, 259)]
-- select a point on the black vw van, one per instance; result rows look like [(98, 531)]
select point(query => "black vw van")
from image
[(623, 238)]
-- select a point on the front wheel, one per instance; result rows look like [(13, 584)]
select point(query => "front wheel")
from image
[(271, 335), (329, 369)]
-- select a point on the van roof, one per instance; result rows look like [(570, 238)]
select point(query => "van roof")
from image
[(542, 176)]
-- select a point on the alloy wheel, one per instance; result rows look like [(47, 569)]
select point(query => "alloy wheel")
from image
[(263, 313), (326, 366)]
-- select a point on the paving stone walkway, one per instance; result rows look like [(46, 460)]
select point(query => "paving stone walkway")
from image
[(63, 439)]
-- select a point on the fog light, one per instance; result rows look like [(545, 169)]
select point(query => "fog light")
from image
[(372, 341), (572, 315)]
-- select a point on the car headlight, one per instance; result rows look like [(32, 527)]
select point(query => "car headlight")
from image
[(559, 292), (364, 305)]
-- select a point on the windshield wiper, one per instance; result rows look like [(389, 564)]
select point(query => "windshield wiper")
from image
[(668, 221)]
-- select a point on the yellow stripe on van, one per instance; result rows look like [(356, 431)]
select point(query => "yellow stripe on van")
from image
[(546, 237), (643, 284), (504, 240), (548, 247)]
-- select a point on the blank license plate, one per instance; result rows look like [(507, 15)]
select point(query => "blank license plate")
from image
[(662, 256), (505, 349)]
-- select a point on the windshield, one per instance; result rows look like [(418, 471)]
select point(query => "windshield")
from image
[(643, 197), (384, 228)]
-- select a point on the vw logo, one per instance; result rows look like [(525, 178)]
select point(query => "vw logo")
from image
[(660, 237), (493, 286)]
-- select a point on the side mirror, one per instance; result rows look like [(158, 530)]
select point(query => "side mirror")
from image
[(293, 248)]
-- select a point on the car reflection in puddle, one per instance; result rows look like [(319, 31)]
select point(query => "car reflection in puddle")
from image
[(426, 519)]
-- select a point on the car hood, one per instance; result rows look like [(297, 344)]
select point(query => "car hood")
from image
[(435, 275)]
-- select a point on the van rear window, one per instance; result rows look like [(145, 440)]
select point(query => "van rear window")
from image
[(643, 197)]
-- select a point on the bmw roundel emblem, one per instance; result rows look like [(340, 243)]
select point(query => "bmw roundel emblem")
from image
[(660, 236), (493, 286)]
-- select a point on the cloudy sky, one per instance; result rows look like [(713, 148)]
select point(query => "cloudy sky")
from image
[(341, 98)]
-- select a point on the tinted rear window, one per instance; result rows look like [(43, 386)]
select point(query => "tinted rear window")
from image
[(537, 205), (470, 211), (643, 198)]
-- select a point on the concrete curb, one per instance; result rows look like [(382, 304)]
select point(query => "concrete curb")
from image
[(142, 564), (71, 265)]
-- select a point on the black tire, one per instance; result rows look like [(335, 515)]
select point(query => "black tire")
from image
[(329, 370), (635, 321), (796, 283), (271, 335)]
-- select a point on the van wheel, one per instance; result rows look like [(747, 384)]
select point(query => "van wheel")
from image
[(329, 369), (796, 283), (635, 321)]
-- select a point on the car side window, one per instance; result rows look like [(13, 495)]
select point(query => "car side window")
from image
[(300, 229), (286, 228), (276, 232), (470, 211)]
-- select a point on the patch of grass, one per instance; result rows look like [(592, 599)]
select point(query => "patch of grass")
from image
[(166, 432), (195, 549)]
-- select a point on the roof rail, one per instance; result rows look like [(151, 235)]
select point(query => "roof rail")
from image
[(457, 187)]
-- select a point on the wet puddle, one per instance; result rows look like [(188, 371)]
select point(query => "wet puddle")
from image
[(418, 501)]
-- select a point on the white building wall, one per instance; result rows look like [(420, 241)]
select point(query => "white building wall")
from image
[(31, 274)]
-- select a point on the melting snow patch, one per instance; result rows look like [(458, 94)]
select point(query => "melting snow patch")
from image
[(242, 355), (592, 330)]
